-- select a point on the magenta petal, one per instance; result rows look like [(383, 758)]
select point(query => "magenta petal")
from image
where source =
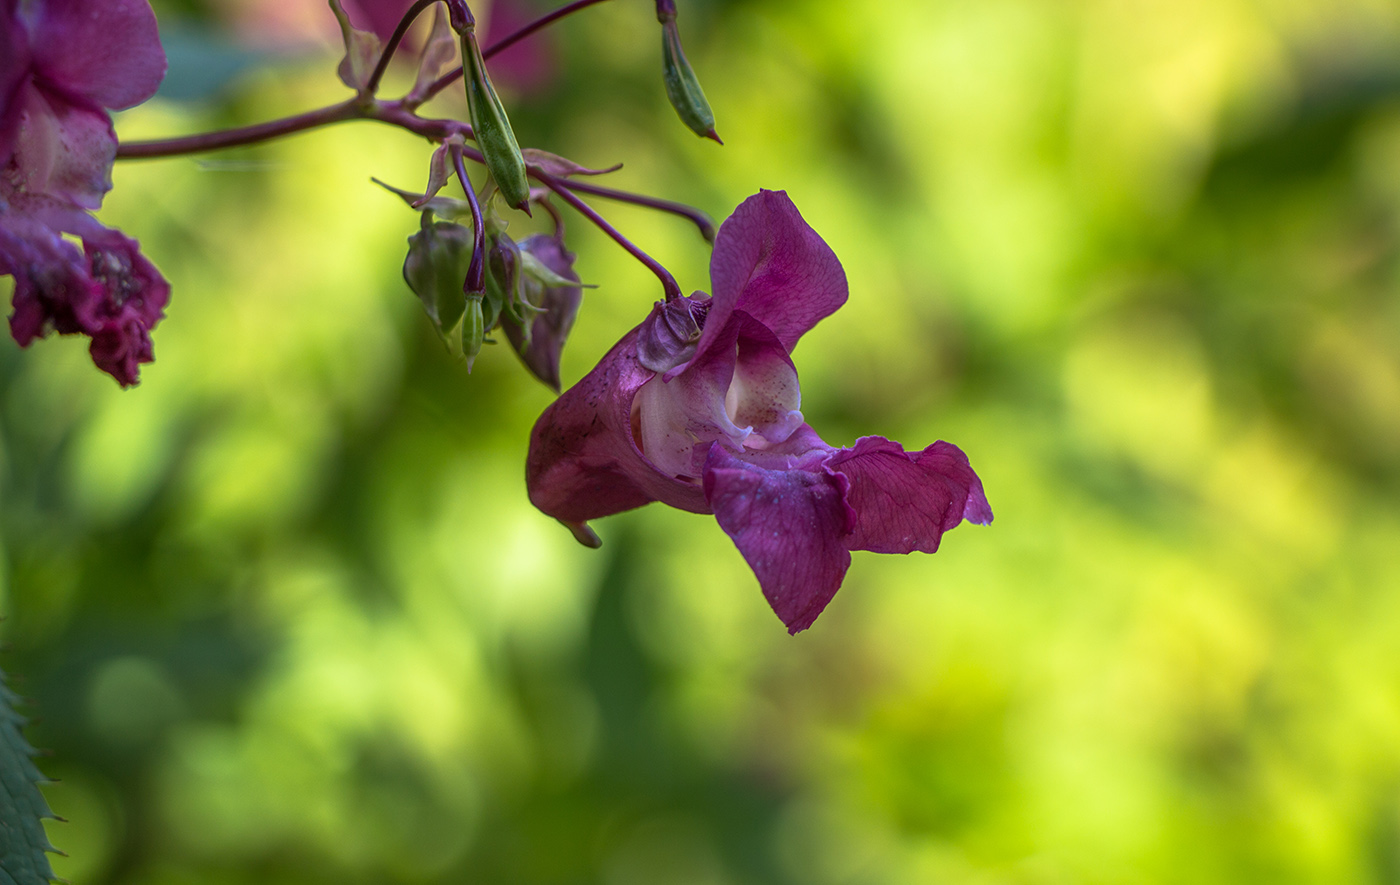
[(789, 525), (14, 63), (674, 415), (106, 50), (769, 263), (905, 501), (584, 462)]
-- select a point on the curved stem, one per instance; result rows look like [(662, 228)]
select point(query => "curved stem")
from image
[(392, 46), (475, 283), (695, 216), (508, 41), (227, 138), (668, 282)]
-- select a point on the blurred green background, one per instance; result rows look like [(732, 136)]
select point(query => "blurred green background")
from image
[(287, 615)]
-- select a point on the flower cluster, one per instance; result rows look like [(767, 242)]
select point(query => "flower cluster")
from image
[(63, 64), (697, 407)]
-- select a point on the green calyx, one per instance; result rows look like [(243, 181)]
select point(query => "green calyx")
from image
[(436, 266)]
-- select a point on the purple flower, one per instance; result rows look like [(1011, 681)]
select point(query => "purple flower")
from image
[(697, 407), (63, 63)]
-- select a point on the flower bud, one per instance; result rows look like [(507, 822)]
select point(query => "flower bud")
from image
[(682, 86), (491, 127), (436, 265)]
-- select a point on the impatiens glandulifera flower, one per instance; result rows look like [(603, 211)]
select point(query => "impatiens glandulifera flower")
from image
[(697, 408), (62, 64)]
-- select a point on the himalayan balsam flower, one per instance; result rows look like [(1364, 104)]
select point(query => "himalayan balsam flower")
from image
[(63, 63), (697, 407)]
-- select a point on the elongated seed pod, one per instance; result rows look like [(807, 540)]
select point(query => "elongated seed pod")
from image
[(473, 330), (682, 86), (491, 127)]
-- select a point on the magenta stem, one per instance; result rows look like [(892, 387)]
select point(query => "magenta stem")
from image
[(668, 282), (372, 86), (209, 141), (695, 216), (475, 283)]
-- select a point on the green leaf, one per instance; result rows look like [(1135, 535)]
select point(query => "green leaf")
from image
[(23, 845)]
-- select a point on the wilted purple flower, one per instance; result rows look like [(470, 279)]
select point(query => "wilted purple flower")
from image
[(62, 63), (697, 407)]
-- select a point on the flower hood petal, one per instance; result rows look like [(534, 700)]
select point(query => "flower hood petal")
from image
[(107, 51), (584, 461), (769, 263)]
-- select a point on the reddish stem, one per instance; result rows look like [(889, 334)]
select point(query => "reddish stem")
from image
[(475, 283), (668, 282), (208, 141), (372, 86), (695, 216)]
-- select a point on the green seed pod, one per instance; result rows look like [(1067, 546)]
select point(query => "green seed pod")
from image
[(473, 330), (491, 127), (682, 86)]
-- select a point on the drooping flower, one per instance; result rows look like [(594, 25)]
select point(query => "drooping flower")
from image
[(63, 63), (698, 408)]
